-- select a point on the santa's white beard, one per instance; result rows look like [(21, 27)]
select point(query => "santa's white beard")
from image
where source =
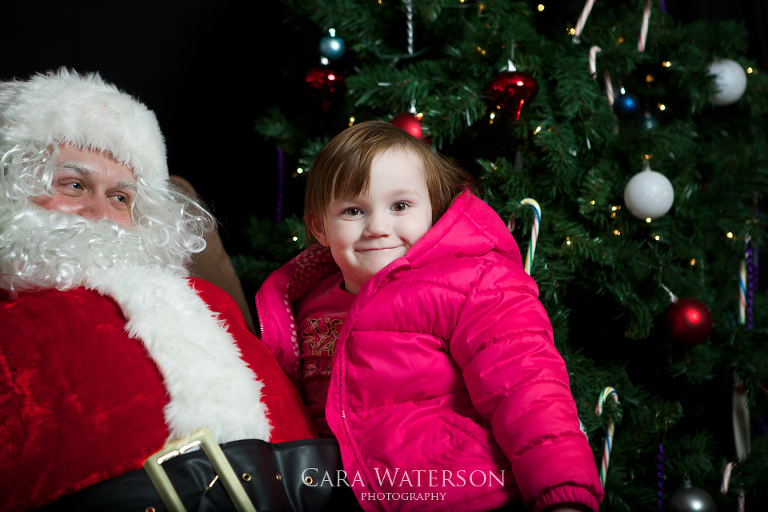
[(208, 383), (49, 249)]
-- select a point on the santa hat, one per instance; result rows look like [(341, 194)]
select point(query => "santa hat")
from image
[(87, 112)]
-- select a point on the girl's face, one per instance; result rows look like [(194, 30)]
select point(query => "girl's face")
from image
[(367, 232)]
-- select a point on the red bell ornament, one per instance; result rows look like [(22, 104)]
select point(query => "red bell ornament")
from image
[(326, 84), (409, 123), (513, 90), (688, 321)]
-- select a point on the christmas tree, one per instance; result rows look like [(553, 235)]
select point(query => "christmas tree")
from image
[(627, 150)]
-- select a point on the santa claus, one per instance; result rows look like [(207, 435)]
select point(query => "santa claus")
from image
[(108, 350)]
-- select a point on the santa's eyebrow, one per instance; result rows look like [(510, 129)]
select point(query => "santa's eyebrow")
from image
[(74, 166), (87, 171)]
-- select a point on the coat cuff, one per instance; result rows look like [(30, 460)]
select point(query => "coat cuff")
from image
[(565, 494)]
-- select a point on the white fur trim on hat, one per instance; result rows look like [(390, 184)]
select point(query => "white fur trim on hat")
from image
[(87, 112)]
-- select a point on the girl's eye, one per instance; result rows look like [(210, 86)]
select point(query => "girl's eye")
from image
[(400, 206), (352, 211)]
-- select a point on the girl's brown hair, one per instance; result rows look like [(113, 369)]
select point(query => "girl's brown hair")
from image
[(343, 170)]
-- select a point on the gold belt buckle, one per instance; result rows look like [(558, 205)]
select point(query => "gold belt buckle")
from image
[(203, 439)]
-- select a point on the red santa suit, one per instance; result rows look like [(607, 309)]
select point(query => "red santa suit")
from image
[(95, 379)]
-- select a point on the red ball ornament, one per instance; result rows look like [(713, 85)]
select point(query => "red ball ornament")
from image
[(326, 83), (409, 123), (688, 321), (513, 90)]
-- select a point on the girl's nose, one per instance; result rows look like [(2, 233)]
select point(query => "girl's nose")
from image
[(377, 225)]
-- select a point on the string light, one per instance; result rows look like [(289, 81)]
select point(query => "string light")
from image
[(648, 220), (537, 130), (666, 64), (351, 121), (693, 261), (567, 240), (729, 234), (299, 171), (657, 238), (661, 106), (540, 7), (616, 232), (295, 239)]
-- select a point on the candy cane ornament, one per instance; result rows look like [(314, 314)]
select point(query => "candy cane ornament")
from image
[(606, 76), (726, 477), (594, 50), (644, 26), (534, 232), (746, 285), (577, 31), (582, 20), (739, 405), (740, 505), (607, 392), (742, 292)]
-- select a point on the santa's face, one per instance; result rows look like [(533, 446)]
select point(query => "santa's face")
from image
[(91, 184)]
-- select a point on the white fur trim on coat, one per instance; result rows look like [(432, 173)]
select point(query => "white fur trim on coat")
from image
[(208, 383)]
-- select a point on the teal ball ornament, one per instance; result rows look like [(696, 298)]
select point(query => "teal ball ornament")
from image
[(332, 47), (647, 122)]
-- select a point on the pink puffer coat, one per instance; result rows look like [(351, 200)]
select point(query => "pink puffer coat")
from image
[(447, 391)]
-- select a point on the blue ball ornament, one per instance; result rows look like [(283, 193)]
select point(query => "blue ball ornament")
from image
[(626, 105), (332, 47)]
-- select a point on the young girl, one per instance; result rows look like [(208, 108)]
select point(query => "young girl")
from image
[(418, 341)]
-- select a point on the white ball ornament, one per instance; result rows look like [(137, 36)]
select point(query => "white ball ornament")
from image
[(730, 82), (649, 194)]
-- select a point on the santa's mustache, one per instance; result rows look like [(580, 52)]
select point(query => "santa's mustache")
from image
[(43, 249)]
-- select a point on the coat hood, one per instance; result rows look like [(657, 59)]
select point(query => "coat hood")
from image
[(475, 230)]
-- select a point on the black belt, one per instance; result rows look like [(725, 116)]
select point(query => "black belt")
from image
[(274, 476)]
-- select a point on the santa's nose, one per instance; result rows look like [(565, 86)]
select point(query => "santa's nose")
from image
[(96, 208)]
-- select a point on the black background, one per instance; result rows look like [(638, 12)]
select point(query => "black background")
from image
[(209, 69)]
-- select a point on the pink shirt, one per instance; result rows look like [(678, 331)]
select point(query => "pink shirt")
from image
[(320, 316)]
